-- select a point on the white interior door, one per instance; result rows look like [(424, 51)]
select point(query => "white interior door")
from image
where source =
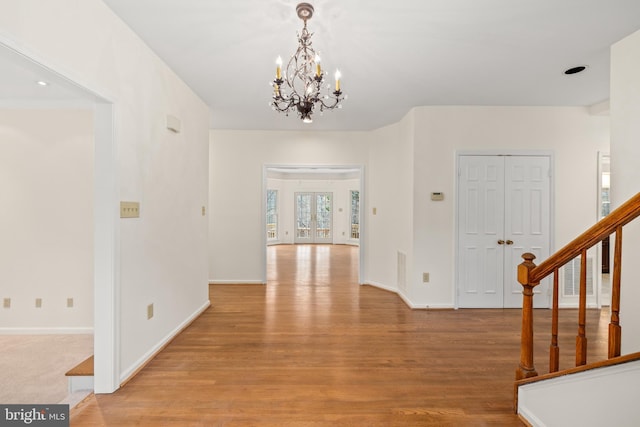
[(527, 222), (503, 211), (314, 217)]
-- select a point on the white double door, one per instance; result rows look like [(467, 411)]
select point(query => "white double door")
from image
[(314, 217), (503, 212)]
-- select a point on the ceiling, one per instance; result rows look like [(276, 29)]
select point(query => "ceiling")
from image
[(393, 55)]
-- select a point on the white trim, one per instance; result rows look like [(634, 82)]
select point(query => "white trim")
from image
[(47, 331), (131, 370), (406, 299), (526, 414), (106, 311), (575, 305), (381, 286), (237, 282)]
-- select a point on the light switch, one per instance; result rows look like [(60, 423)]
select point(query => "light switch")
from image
[(129, 210)]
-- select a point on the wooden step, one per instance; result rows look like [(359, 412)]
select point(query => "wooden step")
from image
[(81, 376), (83, 369)]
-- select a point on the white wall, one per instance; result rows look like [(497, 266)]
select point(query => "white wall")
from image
[(341, 210), (594, 398), (406, 162), (625, 174), (163, 253), (237, 159), (389, 191), (571, 133), (46, 220)]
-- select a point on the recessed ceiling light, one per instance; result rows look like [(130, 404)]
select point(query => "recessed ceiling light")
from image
[(575, 70), (42, 83)]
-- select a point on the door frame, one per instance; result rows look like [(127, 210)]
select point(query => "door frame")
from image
[(601, 298), (263, 210), (552, 215), (106, 228)]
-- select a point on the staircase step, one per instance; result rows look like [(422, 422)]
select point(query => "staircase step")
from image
[(83, 369), (81, 376)]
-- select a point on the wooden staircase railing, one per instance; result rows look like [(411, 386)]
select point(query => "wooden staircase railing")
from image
[(530, 275)]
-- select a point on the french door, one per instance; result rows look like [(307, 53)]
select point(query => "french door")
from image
[(503, 212), (314, 218)]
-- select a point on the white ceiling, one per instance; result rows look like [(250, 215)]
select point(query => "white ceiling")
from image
[(393, 55)]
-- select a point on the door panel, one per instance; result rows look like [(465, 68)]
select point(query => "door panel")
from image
[(314, 218), (324, 203), (303, 212), (503, 211), (527, 222), (481, 195)]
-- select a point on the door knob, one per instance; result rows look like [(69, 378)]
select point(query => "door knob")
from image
[(509, 242), (501, 242)]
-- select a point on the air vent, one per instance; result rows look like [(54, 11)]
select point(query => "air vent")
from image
[(571, 277)]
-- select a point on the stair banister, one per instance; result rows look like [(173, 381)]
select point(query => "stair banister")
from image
[(530, 275)]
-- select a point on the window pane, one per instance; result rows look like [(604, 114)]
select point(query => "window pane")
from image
[(272, 214), (355, 214)]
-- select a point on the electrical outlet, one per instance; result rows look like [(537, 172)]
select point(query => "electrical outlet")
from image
[(38, 302), (204, 211), (149, 311), (425, 277), (129, 210), (6, 303), (69, 302)]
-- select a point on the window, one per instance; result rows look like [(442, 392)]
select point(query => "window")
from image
[(272, 214), (355, 214)]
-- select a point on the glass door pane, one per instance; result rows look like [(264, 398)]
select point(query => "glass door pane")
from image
[(323, 217), (304, 218), (314, 217)]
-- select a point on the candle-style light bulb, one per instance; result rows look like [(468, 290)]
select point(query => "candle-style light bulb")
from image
[(337, 76), (278, 67), (318, 69)]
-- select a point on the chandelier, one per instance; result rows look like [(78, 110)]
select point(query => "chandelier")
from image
[(298, 87)]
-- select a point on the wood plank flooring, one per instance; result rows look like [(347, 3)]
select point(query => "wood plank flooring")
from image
[(313, 348)]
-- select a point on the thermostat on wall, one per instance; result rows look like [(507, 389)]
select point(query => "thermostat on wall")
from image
[(437, 196)]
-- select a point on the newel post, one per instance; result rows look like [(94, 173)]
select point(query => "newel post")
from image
[(526, 368)]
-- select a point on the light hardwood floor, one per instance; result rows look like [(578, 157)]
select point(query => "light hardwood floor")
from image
[(314, 348)]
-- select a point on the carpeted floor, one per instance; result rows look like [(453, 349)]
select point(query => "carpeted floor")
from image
[(32, 367)]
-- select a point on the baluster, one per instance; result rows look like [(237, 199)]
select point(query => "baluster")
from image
[(554, 350), (581, 339), (526, 368), (615, 331)]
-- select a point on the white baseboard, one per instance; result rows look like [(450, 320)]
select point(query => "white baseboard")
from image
[(407, 300), (236, 282), (381, 286), (46, 331), (139, 364), (402, 296)]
